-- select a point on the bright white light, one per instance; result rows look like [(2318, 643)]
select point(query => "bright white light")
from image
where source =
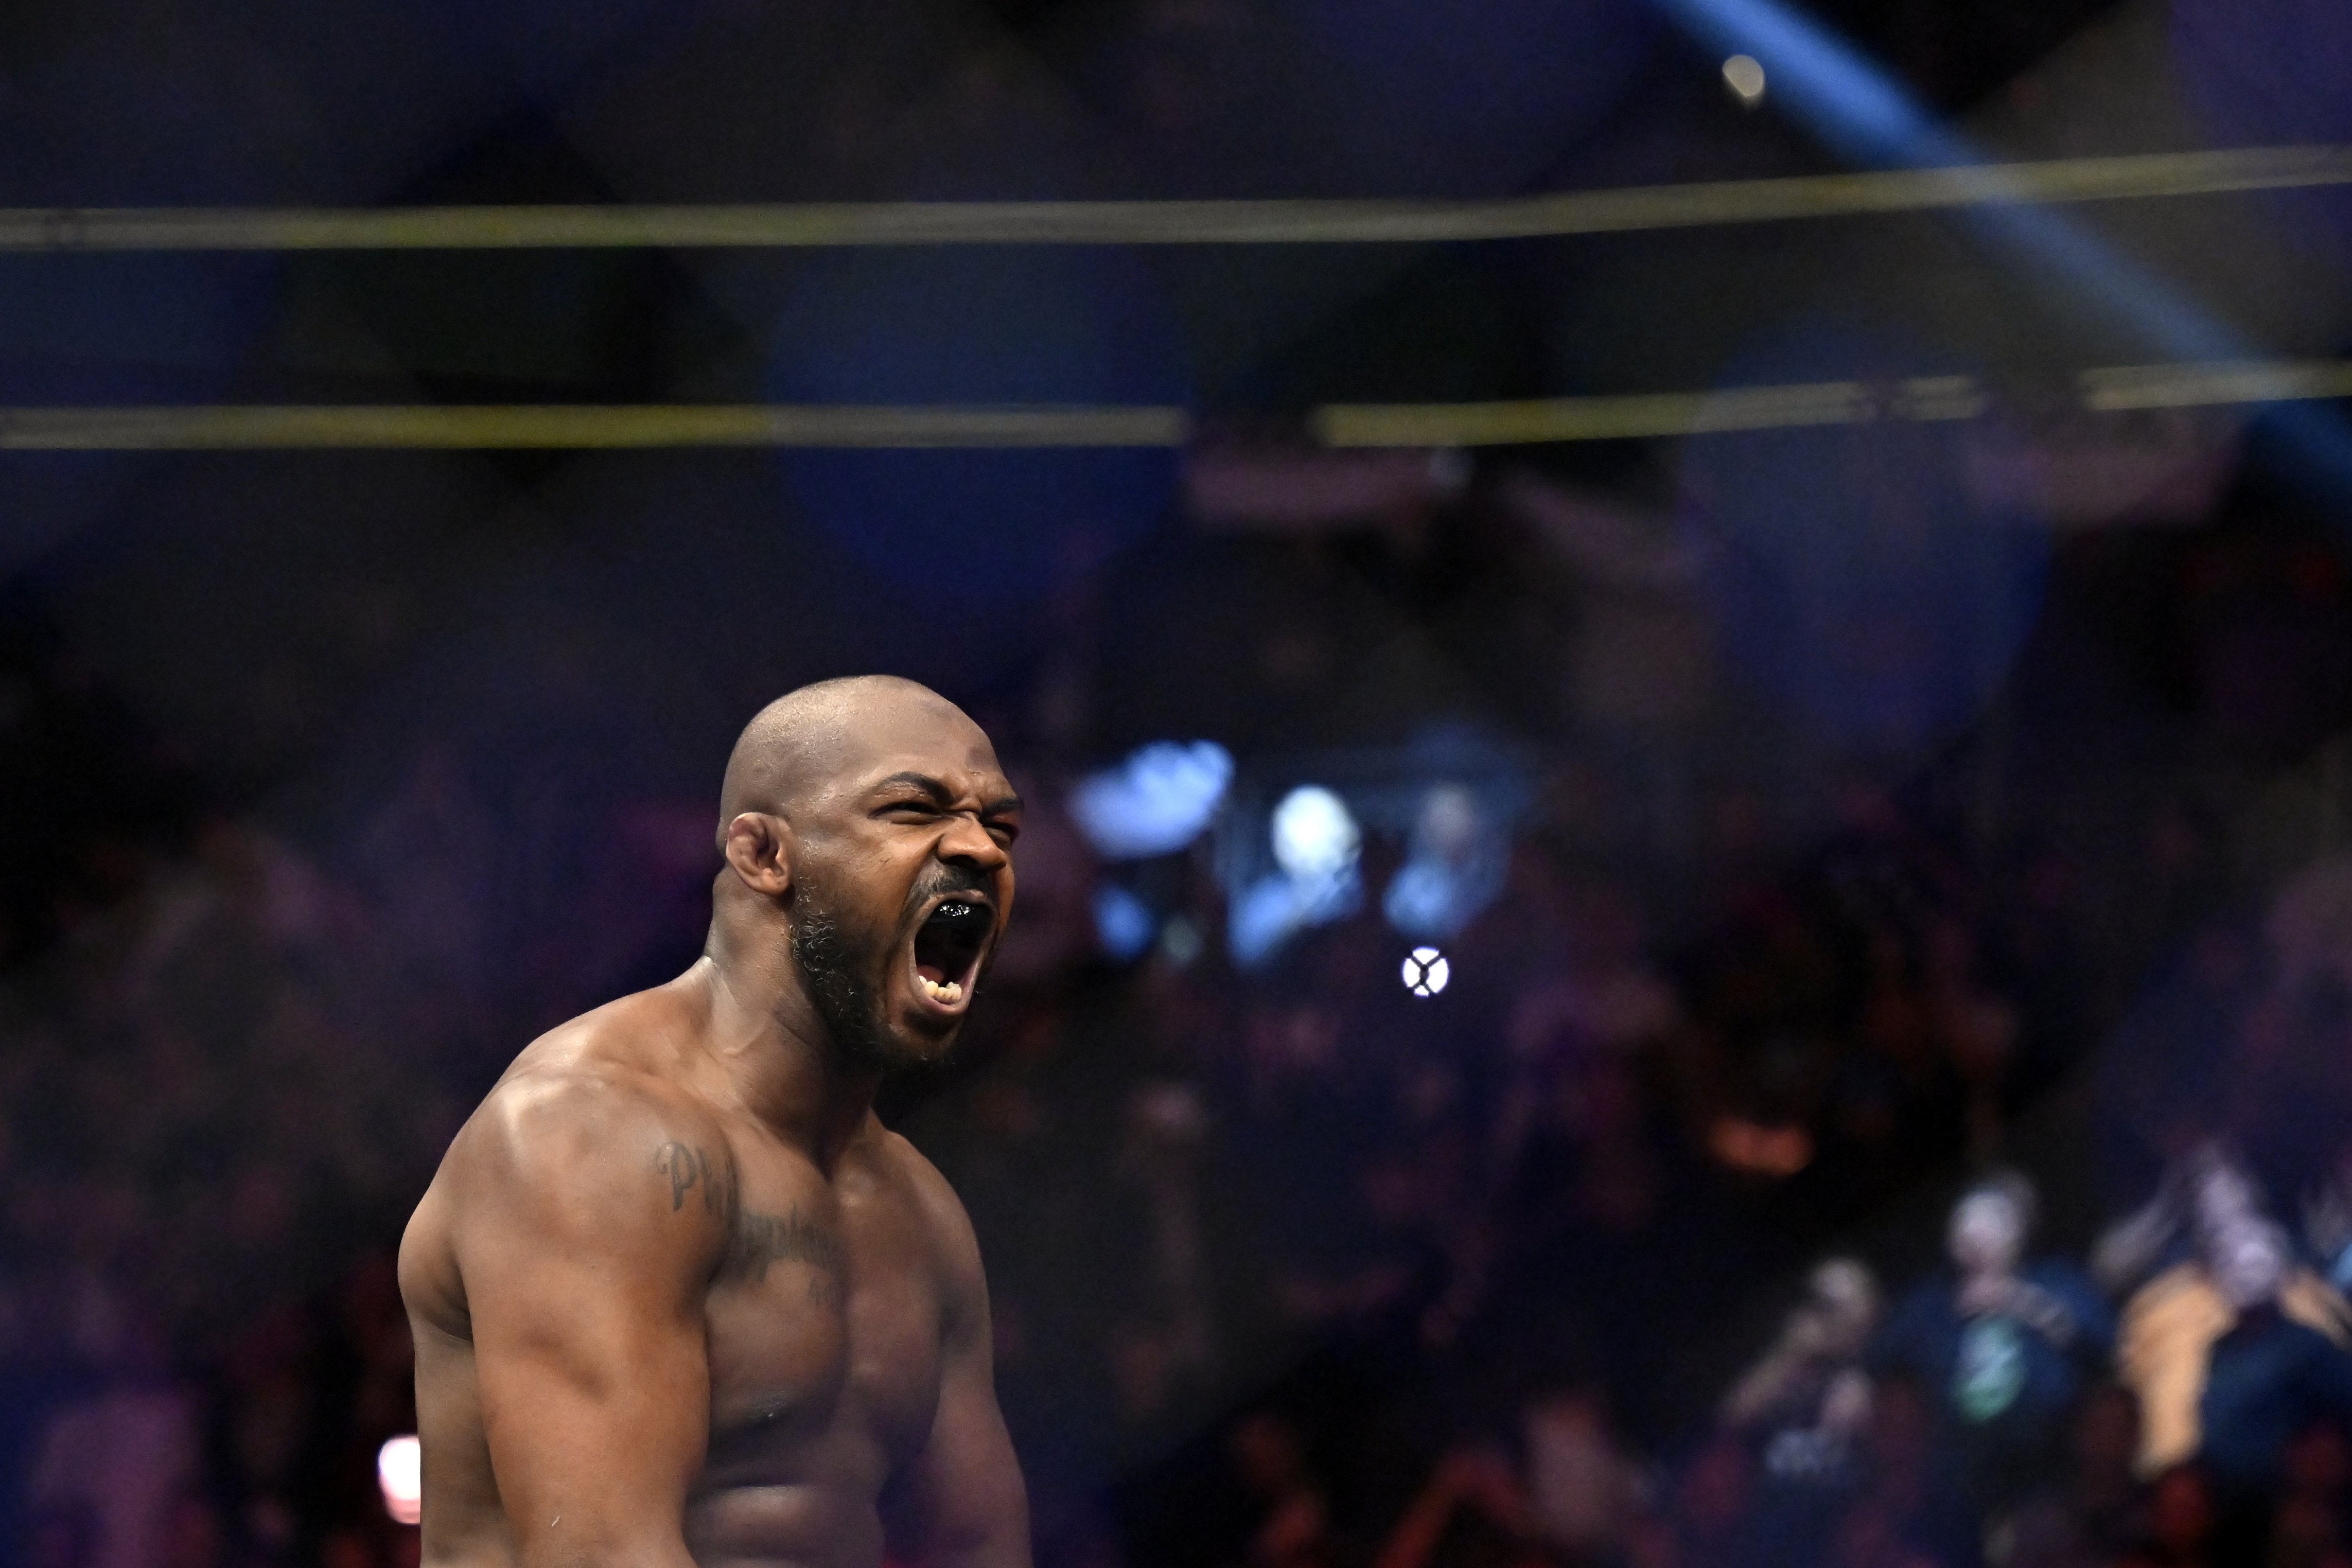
[(1426, 971), (1155, 802), (1744, 76), (400, 1471), (1315, 834), (1316, 842)]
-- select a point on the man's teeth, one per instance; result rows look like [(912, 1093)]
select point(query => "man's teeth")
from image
[(948, 991)]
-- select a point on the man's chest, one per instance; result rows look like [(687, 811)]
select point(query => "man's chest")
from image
[(824, 1322)]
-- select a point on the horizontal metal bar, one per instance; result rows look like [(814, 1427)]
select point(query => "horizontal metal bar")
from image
[(559, 426), (1419, 425), (2193, 386), (1655, 414), (1304, 222)]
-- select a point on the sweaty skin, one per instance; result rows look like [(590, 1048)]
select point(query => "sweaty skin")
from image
[(677, 1296)]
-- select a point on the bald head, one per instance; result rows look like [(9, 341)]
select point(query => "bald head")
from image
[(869, 832), (807, 737)]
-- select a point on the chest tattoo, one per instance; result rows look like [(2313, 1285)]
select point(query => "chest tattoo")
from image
[(760, 1241), (686, 1169), (763, 1240)]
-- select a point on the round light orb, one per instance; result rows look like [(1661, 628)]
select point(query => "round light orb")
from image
[(1744, 75), (1426, 971), (1315, 834)]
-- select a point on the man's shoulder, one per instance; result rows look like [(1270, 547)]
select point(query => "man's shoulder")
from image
[(577, 1157), (639, 1036), (563, 1113), (588, 1120), (599, 1074)]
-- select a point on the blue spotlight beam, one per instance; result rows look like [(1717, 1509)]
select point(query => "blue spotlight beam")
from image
[(1862, 113)]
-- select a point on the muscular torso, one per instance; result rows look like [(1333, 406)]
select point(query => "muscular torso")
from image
[(824, 1307)]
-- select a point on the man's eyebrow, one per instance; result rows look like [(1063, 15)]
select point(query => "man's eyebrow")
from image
[(938, 793), (941, 794)]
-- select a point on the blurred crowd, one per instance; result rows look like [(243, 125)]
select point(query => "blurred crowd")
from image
[(1892, 1110), (1936, 1164), (1498, 1268)]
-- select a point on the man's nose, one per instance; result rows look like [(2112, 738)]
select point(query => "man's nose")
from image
[(968, 841)]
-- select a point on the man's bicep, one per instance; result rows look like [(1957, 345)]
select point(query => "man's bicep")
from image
[(596, 1401), (583, 1261)]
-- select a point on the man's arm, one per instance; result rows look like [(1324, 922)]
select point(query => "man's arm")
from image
[(588, 1221), (961, 1502)]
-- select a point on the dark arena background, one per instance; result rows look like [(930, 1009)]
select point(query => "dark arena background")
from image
[(1681, 664)]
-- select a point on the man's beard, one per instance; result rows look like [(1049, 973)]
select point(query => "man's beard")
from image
[(835, 971)]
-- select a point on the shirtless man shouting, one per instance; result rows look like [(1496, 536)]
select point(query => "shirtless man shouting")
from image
[(677, 1296)]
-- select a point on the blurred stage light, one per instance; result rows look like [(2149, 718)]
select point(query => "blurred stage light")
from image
[(1315, 834), (1123, 922), (1453, 867), (1744, 76), (1426, 971), (1155, 802), (400, 1473), (1315, 843)]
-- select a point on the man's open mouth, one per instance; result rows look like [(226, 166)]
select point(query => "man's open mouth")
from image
[(948, 946)]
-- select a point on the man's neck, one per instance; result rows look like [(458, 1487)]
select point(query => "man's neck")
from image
[(780, 1059)]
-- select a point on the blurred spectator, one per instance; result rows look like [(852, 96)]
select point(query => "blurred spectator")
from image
[(2267, 1376), (1564, 1490), (2170, 1323), (2002, 1343), (2328, 1226), (1804, 1407), (1473, 1514), (1586, 1493)]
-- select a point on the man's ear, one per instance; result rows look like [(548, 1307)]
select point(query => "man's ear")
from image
[(759, 847)]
